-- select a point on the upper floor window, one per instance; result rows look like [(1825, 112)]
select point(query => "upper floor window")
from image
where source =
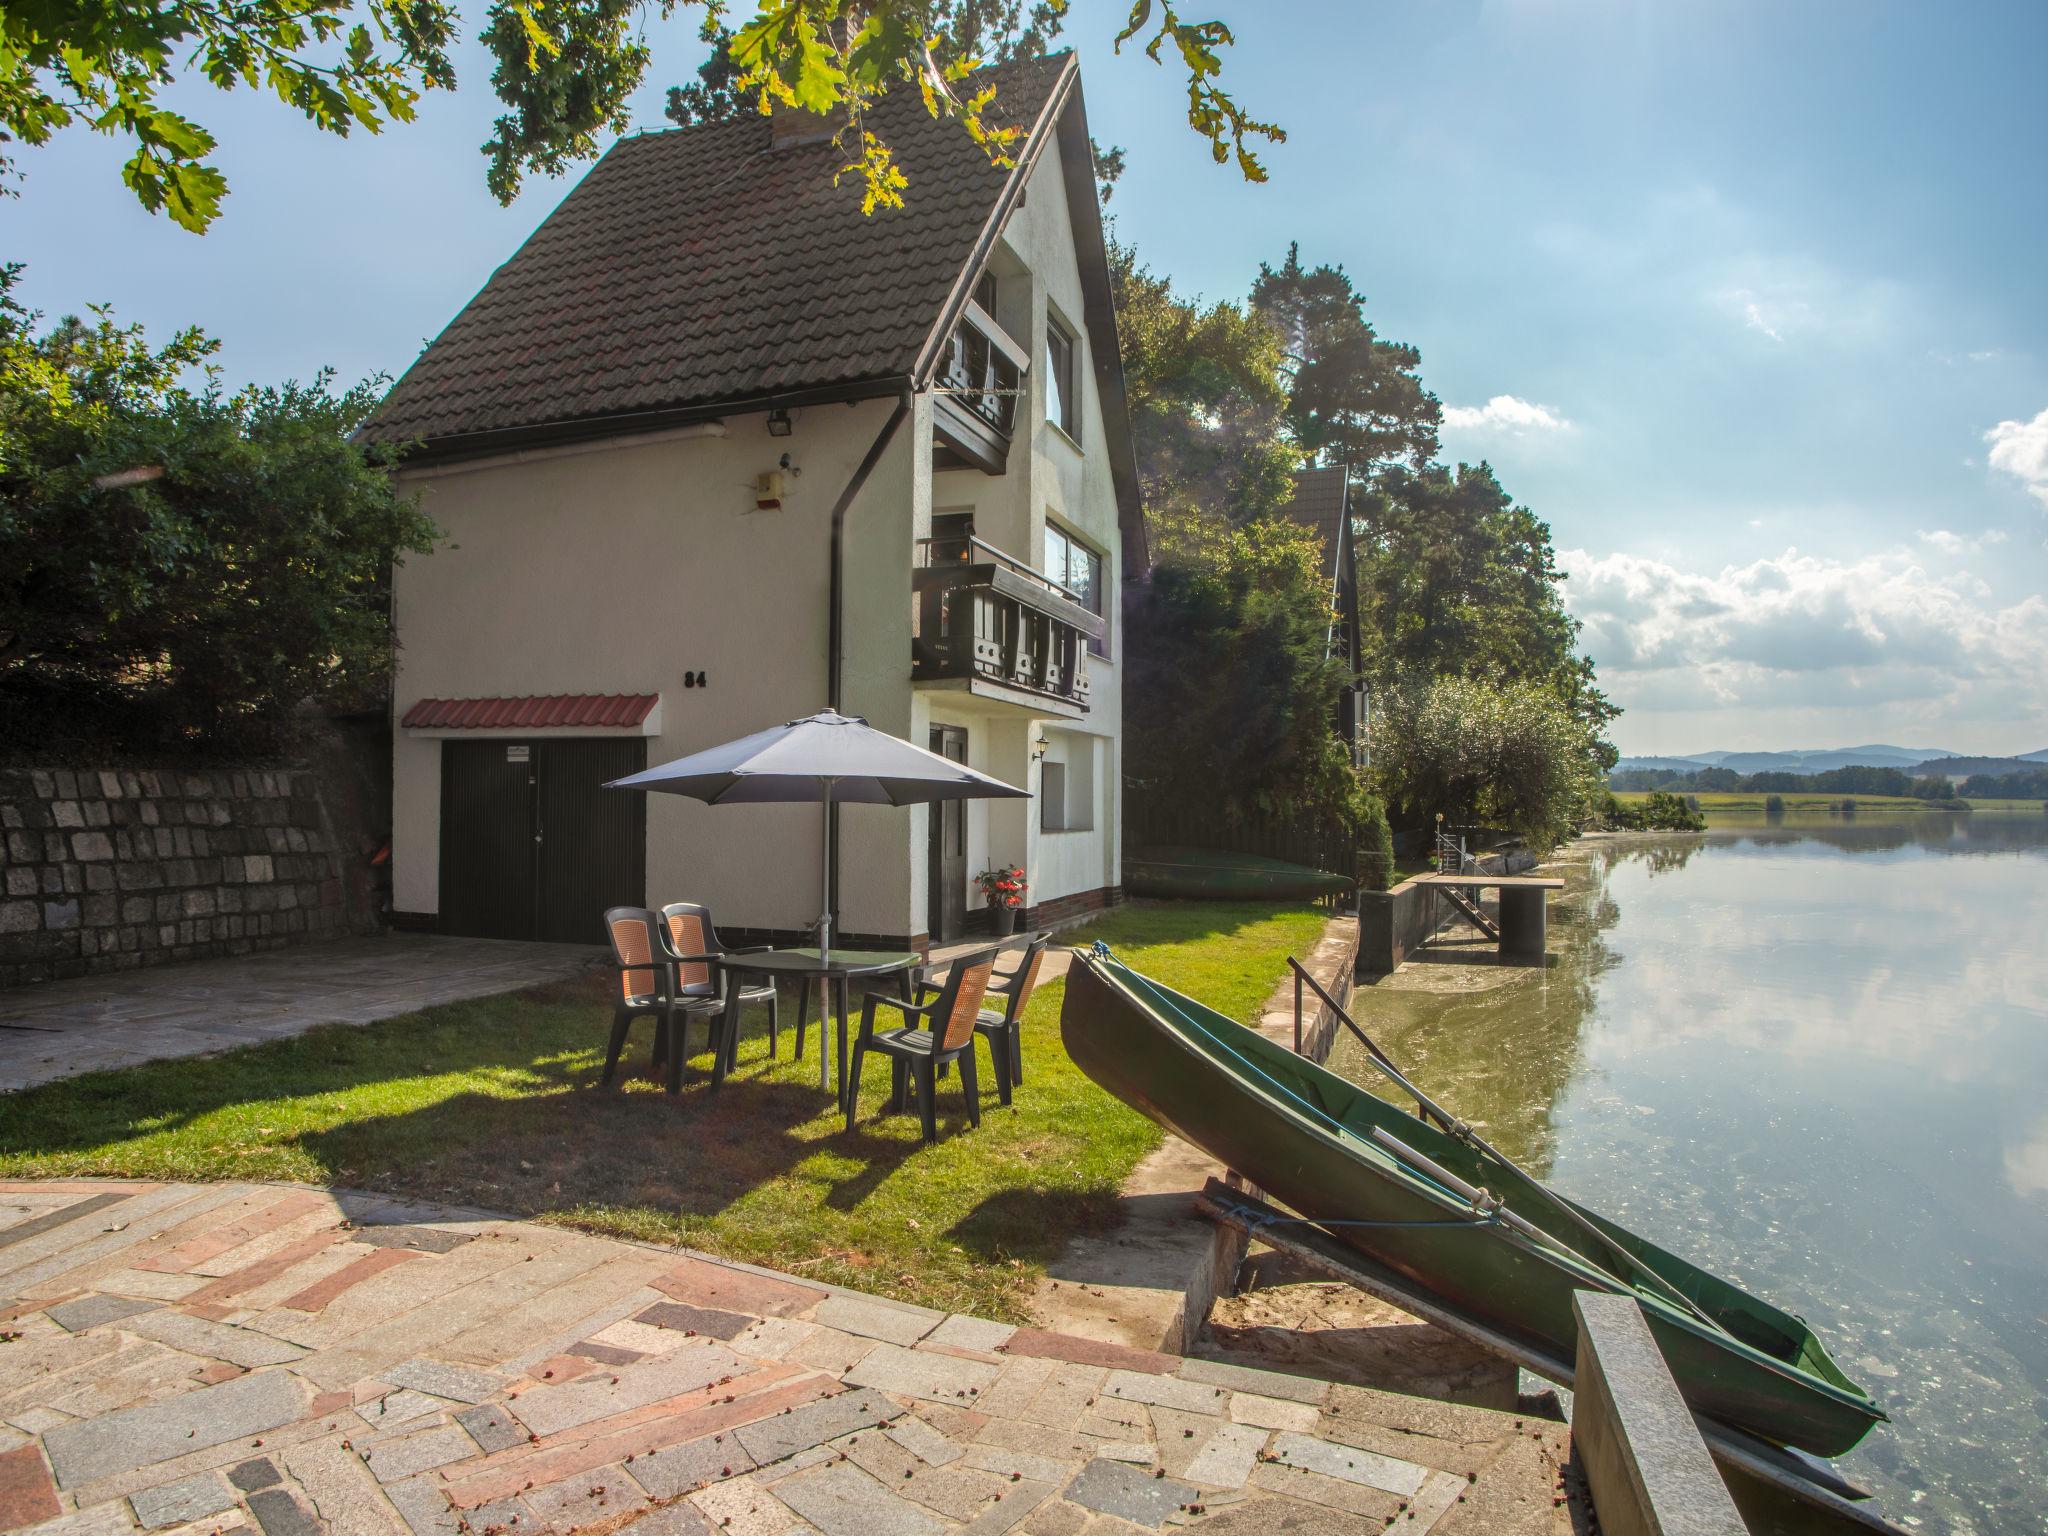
[(1079, 569), (985, 293), (1062, 387)]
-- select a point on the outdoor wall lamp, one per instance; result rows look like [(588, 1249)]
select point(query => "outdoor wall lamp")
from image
[(1039, 747), (780, 423)]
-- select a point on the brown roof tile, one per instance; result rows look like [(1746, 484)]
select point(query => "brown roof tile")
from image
[(699, 266)]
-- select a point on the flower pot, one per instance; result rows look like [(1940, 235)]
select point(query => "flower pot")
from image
[(1004, 919)]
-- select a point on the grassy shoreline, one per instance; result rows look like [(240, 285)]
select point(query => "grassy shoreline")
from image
[(493, 1103)]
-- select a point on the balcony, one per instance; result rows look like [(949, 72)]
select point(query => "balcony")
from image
[(989, 625), (975, 395)]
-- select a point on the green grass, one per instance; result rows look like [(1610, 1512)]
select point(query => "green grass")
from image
[(494, 1103), (1753, 801)]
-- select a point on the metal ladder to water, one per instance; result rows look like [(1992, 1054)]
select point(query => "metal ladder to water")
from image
[(1451, 858)]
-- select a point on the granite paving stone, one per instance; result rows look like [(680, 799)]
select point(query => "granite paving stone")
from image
[(257, 1472), (27, 1494), (919, 1373), (1129, 1493), (873, 1318), (545, 1410), (1227, 1457), (492, 1426), (544, 1380), (341, 1489), (190, 1498), (461, 1383), (922, 1441), (971, 1333), (1349, 1463), (681, 1317), (679, 1469), (395, 1460), (90, 1311), (280, 1513), (771, 1439), (87, 1449), (841, 1500), (604, 1494)]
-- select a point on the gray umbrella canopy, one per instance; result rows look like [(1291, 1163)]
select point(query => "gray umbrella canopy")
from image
[(828, 758)]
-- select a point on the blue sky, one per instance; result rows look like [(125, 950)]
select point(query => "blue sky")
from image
[(1745, 299)]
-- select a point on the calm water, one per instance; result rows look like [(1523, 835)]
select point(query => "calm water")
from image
[(1814, 1058)]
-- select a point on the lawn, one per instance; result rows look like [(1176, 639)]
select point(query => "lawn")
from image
[(494, 1103)]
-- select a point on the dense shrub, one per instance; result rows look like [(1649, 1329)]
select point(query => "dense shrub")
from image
[(1659, 811), (180, 566)]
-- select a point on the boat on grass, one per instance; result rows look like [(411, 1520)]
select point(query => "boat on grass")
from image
[(1213, 874), (1426, 1197)]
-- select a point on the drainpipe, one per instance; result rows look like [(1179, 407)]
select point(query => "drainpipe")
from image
[(835, 643)]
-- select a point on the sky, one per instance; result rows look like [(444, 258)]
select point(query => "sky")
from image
[(1745, 299)]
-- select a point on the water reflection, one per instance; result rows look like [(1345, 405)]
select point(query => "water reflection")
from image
[(1813, 1055)]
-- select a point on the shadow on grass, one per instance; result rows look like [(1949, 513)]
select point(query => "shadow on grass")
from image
[(1034, 1225)]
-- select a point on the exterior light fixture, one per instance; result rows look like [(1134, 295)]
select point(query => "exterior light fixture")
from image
[(1039, 747), (780, 423)]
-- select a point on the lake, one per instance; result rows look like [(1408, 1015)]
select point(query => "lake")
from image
[(1811, 1055)]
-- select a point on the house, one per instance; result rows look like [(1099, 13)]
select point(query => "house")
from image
[(712, 451), (1322, 502)]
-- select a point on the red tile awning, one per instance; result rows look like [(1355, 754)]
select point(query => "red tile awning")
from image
[(536, 712)]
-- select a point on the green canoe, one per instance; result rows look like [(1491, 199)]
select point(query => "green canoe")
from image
[(1210, 874), (1307, 1137)]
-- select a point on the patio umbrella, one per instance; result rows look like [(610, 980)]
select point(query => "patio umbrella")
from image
[(830, 758)]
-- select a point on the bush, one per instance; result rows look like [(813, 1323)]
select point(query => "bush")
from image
[(1375, 842), (181, 567), (1509, 755), (1660, 811), (1774, 805)]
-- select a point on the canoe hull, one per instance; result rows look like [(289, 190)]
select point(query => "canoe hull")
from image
[(1518, 1289)]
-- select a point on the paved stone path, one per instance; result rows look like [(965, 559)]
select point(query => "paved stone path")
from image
[(59, 1028), (237, 1357)]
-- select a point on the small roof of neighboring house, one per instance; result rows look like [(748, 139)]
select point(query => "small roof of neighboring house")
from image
[(539, 712), (1320, 502)]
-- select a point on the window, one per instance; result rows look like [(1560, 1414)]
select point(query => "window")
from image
[(1062, 391), (1052, 797), (985, 293), (1079, 569), (1066, 784)]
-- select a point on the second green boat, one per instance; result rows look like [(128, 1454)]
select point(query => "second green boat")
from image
[(1444, 1210)]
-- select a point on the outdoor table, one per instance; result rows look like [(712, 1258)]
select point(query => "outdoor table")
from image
[(833, 972)]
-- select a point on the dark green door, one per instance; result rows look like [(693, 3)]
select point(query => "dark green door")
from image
[(532, 845)]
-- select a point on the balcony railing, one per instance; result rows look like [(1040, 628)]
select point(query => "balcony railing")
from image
[(978, 384), (983, 617)]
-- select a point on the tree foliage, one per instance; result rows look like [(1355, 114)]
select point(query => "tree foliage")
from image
[(1488, 752), (1227, 682), (182, 565), (564, 69), (1351, 397)]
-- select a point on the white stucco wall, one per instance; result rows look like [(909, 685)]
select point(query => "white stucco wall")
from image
[(617, 571)]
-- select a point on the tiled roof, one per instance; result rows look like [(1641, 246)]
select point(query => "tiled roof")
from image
[(534, 712), (700, 266), (1319, 503)]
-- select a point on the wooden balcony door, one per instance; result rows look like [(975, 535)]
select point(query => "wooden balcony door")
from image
[(946, 883)]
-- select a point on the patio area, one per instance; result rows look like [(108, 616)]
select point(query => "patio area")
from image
[(59, 1029), (244, 1357)]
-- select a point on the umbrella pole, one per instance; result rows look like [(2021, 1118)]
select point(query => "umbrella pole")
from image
[(825, 878)]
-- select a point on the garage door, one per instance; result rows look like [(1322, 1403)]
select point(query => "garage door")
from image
[(532, 844)]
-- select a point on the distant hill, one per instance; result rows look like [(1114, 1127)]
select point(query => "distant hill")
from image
[(1811, 761), (2035, 757), (1963, 767)]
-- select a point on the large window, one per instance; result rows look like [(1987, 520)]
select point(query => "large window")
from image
[(1079, 569), (1062, 388)]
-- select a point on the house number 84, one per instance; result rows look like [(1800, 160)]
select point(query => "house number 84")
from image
[(694, 680)]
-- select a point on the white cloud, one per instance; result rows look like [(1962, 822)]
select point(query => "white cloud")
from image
[(1806, 635), (1950, 542), (1505, 413), (2020, 448)]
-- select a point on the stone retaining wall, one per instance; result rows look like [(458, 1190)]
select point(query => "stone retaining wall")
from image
[(109, 870)]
